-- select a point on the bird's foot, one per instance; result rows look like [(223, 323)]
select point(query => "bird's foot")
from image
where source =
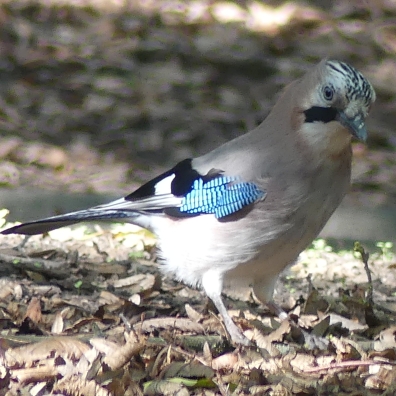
[(236, 335), (311, 341)]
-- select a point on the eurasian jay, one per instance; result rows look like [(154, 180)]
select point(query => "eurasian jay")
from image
[(244, 211)]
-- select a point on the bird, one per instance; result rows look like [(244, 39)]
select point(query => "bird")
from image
[(243, 212)]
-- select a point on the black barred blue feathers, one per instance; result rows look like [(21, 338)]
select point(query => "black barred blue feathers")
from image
[(221, 196)]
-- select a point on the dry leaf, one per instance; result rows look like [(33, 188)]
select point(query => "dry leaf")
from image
[(27, 355), (34, 311)]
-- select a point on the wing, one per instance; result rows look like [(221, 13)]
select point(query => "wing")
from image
[(180, 192)]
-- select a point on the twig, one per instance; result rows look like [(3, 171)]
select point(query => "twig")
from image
[(342, 365), (54, 269), (365, 256)]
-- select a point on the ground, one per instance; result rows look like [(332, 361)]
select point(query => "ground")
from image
[(98, 97)]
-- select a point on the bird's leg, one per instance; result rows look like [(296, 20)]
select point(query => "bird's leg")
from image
[(212, 285), (20, 247), (233, 330), (277, 310)]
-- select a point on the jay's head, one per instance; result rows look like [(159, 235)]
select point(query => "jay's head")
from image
[(334, 100)]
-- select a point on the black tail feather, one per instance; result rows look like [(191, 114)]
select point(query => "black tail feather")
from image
[(52, 223)]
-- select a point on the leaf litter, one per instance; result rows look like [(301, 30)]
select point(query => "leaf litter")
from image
[(132, 331)]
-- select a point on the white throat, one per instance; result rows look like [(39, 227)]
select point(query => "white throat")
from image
[(325, 139)]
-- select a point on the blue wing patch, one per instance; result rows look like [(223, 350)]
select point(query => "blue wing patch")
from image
[(221, 196)]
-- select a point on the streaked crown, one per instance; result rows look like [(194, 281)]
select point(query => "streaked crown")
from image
[(357, 87)]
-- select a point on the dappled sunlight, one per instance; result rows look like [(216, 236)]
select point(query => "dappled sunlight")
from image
[(257, 16)]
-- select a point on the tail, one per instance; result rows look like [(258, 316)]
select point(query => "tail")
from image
[(54, 222)]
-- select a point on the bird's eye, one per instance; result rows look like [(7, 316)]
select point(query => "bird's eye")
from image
[(328, 92)]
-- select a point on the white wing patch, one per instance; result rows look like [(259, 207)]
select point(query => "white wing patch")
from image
[(164, 186), (163, 198)]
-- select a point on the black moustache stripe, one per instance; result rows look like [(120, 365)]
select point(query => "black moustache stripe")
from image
[(321, 114)]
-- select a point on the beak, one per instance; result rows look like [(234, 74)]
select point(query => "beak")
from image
[(355, 125)]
